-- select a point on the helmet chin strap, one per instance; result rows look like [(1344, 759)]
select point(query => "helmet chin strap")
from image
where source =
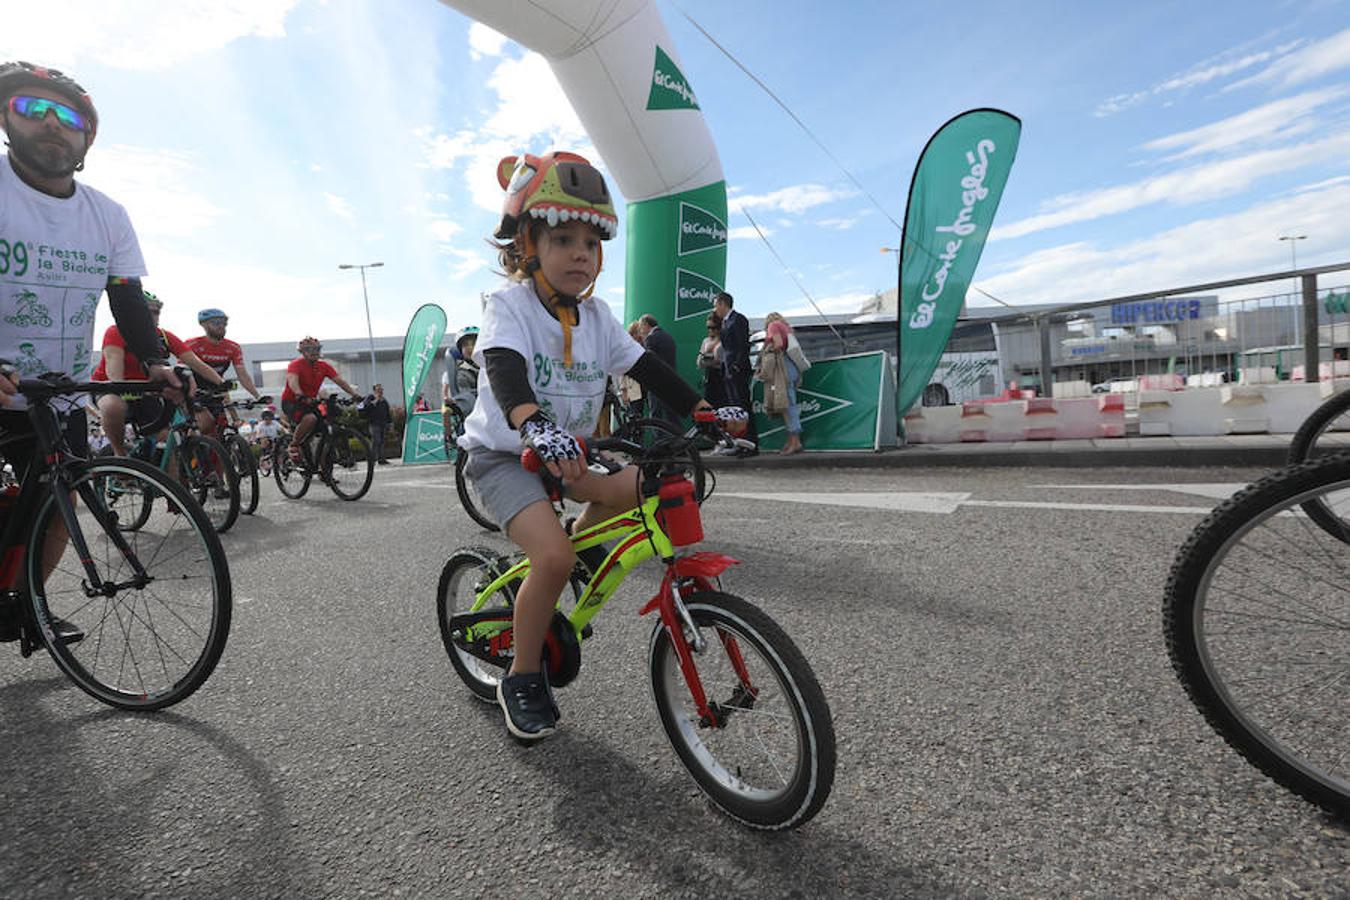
[(563, 305)]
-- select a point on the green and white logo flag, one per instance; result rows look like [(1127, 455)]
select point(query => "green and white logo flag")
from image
[(700, 230), (694, 294), (670, 89), (957, 185), (419, 351)]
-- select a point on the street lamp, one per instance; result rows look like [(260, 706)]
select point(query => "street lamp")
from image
[(370, 334), (1293, 240)]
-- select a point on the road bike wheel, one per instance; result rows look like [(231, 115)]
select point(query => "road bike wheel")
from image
[(292, 477), (453, 427), (467, 572), (1311, 442), (347, 471), (1255, 617), (648, 431), (205, 469), (246, 466), (126, 498), (769, 763), (151, 637), (469, 497)]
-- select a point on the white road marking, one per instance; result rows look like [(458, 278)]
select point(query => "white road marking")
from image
[(946, 503), (1216, 490)]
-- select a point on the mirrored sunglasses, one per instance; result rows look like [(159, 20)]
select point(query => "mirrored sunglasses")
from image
[(36, 108)]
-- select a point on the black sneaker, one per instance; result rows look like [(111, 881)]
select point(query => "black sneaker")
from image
[(527, 705)]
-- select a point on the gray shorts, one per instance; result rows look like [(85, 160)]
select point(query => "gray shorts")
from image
[(503, 484)]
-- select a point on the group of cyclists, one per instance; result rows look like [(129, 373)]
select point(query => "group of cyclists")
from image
[(537, 368)]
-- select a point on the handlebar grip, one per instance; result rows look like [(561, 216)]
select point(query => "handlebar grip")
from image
[(534, 463), (705, 416)]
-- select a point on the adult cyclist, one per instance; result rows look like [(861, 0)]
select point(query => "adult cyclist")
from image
[(62, 244), (219, 352), (299, 401)]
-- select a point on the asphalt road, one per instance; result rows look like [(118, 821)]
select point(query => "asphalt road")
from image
[(989, 641)]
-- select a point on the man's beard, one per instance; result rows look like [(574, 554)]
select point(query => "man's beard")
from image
[(47, 159)]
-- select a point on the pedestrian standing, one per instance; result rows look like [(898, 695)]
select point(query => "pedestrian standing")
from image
[(737, 372), (710, 363), (377, 414), (662, 343)]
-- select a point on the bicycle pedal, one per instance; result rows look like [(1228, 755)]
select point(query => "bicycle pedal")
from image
[(586, 631)]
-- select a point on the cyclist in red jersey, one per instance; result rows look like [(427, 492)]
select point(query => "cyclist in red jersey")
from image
[(219, 352), (304, 377), (119, 363)]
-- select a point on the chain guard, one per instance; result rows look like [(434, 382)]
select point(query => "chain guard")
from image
[(488, 635)]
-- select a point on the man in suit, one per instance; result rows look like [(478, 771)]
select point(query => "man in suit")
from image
[(659, 341), (736, 349)]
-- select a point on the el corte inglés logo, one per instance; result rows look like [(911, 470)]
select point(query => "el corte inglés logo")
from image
[(670, 89), (693, 294), (700, 229)]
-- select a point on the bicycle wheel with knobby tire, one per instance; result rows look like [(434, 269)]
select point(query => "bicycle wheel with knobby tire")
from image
[(292, 477), (469, 497), (1257, 621), (206, 471), (769, 759), (128, 499), (348, 464), (246, 466), (156, 617)]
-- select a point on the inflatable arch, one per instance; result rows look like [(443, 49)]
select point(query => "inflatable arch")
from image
[(617, 66)]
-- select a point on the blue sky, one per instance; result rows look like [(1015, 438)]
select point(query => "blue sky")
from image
[(259, 143)]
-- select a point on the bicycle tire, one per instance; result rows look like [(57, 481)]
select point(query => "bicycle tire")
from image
[(778, 664), (246, 466), (341, 461), (1254, 613), (647, 430), (132, 507), (462, 576), (1306, 446), (292, 477), (172, 629), (468, 495), (205, 468), (455, 420)]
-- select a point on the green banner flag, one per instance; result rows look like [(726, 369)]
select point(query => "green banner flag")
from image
[(419, 351), (957, 185)]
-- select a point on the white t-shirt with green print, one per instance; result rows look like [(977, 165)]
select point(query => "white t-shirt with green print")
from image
[(56, 256), (569, 395)]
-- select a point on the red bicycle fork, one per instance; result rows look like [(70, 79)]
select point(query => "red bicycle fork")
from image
[(696, 570)]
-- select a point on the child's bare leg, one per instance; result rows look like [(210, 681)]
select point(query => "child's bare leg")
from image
[(605, 496), (537, 531)]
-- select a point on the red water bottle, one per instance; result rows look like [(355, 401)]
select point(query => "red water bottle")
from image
[(678, 511)]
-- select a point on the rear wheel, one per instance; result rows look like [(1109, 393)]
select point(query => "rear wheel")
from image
[(348, 464), (469, 497), (246, 465), (292, 477), (768, 760), (157, 614), (205, 469)]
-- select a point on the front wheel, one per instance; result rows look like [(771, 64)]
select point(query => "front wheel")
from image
[(768, 761), (469, 497), (208, 474), (155, 612), (292, 477), (1255, 618), (464, 576), (348, 464), (241, 457)]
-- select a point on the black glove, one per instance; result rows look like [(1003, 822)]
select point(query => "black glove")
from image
[(553, 444)]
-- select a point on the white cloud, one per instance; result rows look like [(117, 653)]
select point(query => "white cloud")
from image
[(834, 304), (1214, 249), (795, 199), (1272, 121), (153, 185), (746, 232), (1216, 67), (339, 207), (1310, 62), (841, 224), (483, 41), (1190, 185), (134, 34), (443, 229)]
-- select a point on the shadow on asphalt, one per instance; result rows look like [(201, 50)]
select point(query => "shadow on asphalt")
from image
[(184, 809), (666, 827)]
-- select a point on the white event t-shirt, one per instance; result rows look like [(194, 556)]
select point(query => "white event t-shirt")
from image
[(56, 256), (514, 319)]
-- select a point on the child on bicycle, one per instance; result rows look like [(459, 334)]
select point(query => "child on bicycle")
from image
[(547, 347)]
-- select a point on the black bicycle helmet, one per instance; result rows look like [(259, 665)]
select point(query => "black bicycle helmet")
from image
[(17, 75)]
